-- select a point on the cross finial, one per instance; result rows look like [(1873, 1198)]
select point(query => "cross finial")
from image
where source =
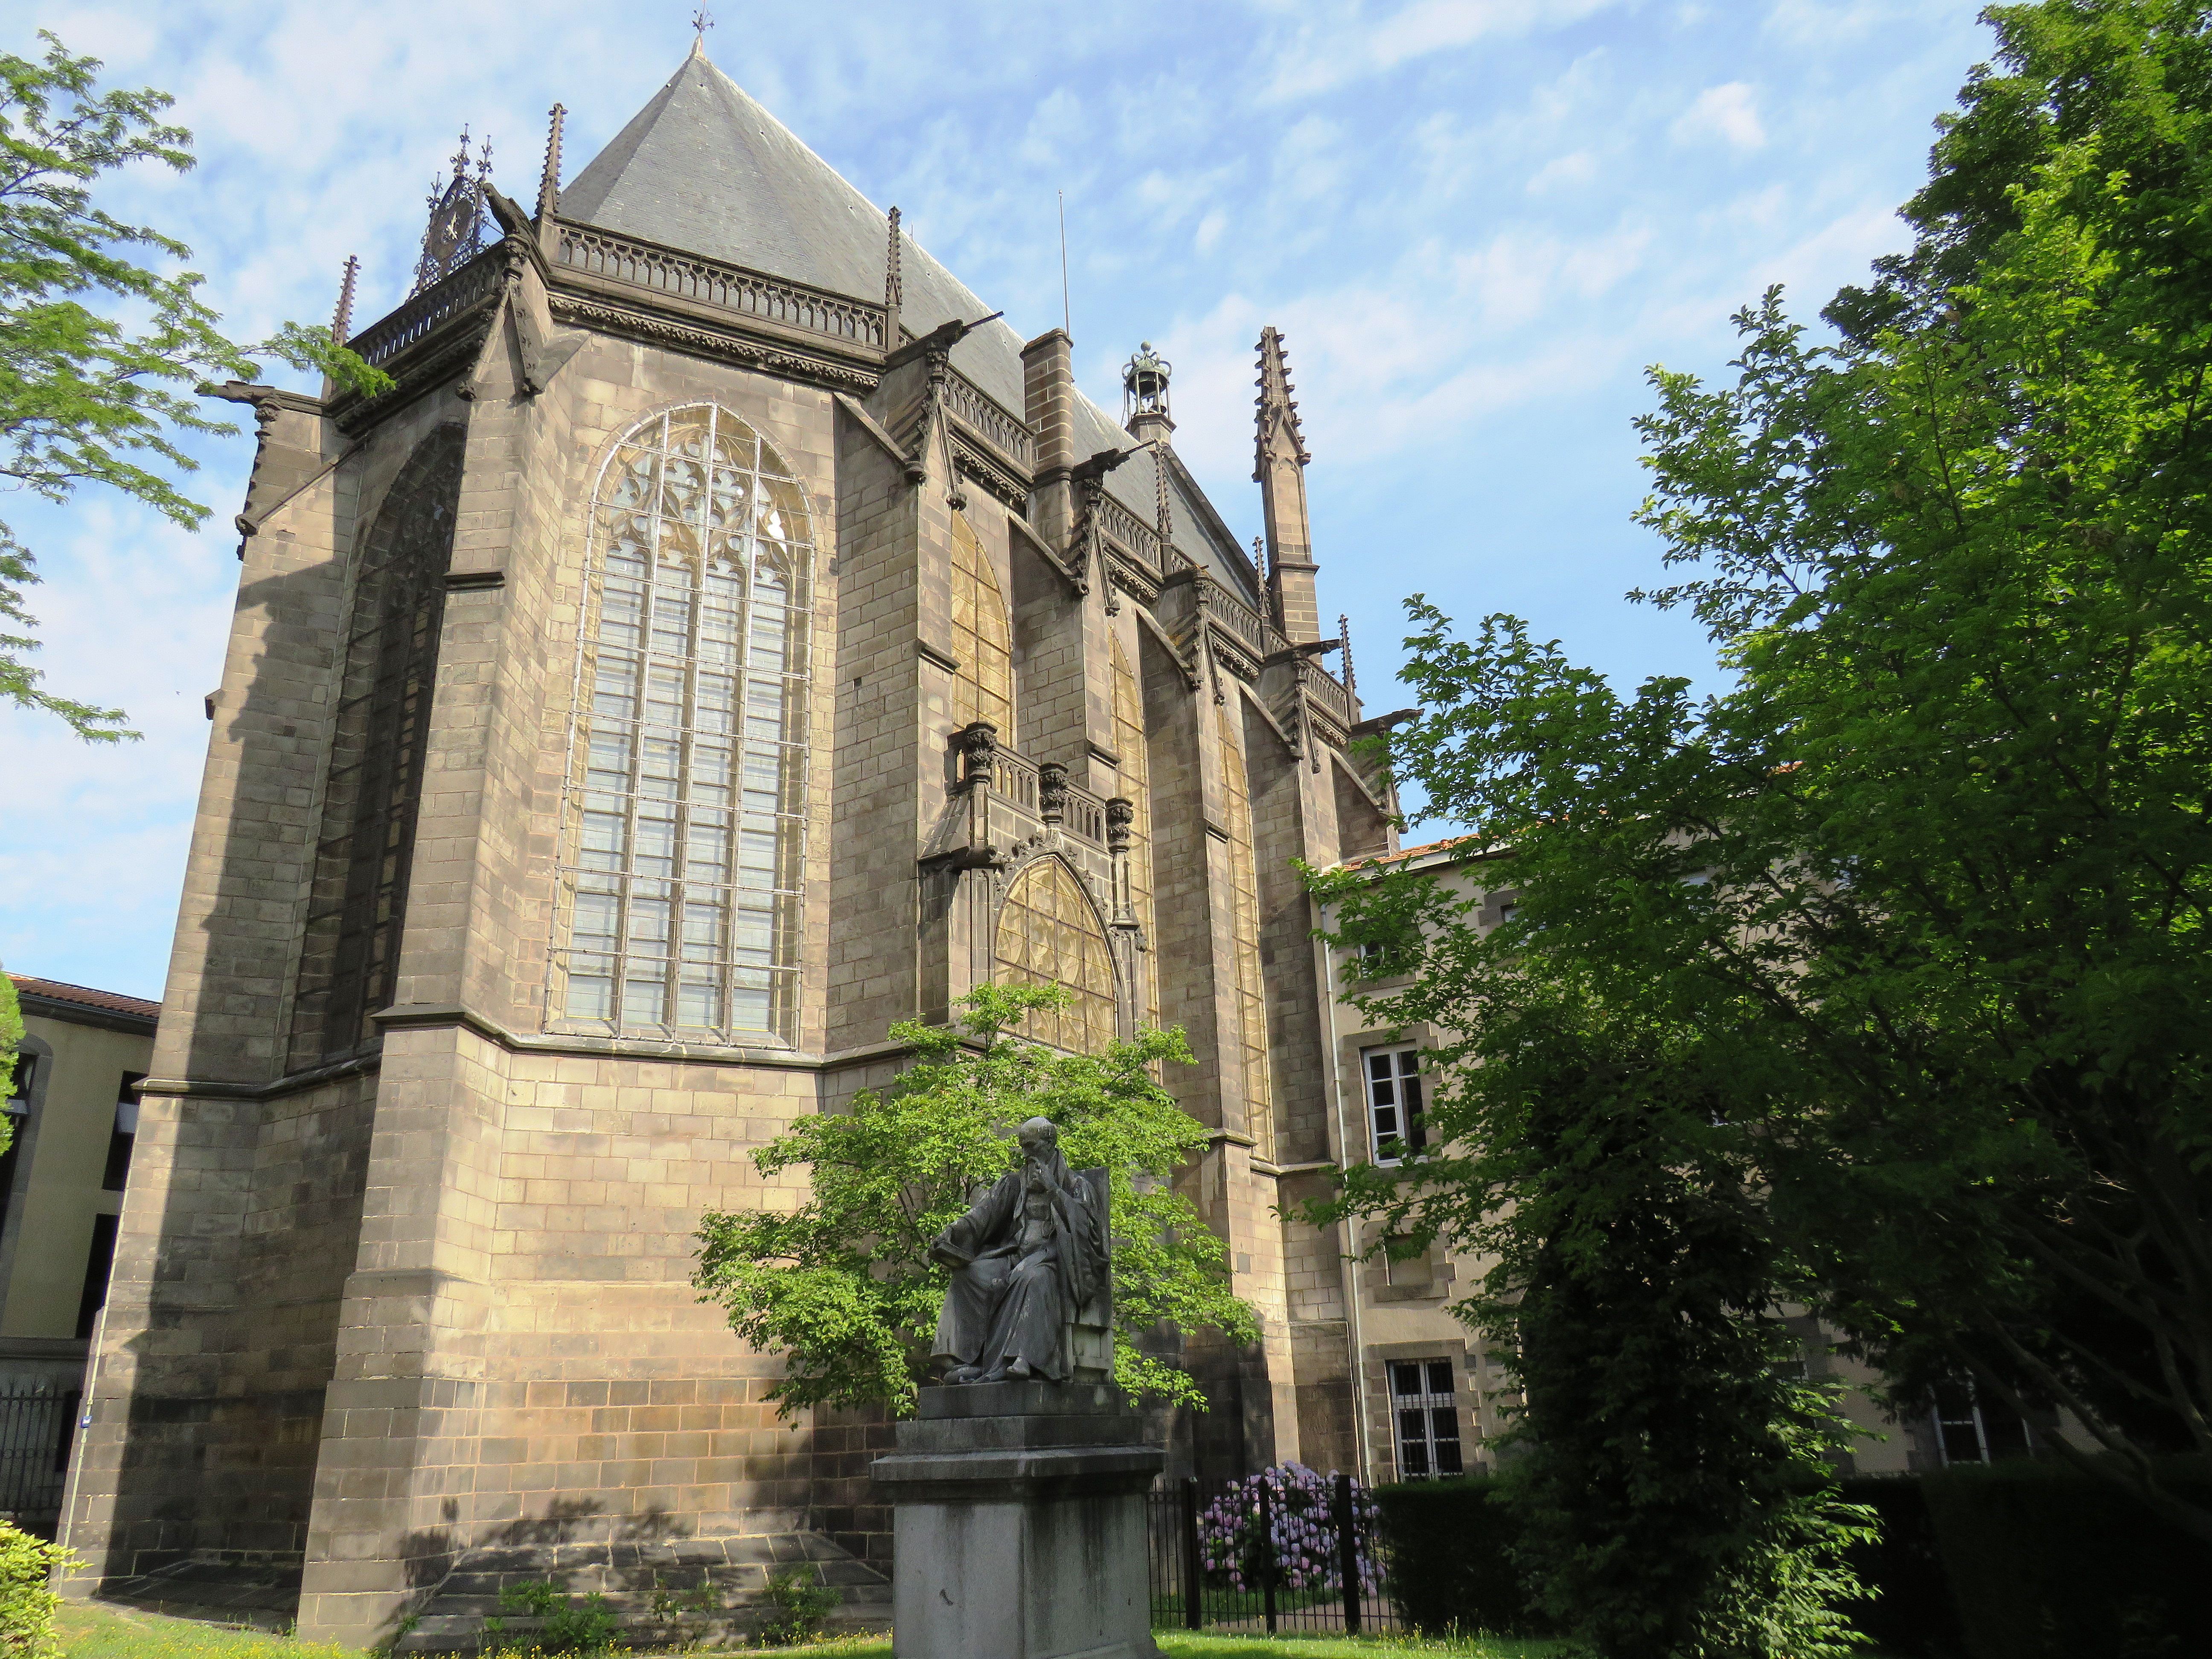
[(701, 21)]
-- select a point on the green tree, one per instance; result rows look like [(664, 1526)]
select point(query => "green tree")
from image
[(11, 1044), (86, 397), (1920, 900), (843, 1284)]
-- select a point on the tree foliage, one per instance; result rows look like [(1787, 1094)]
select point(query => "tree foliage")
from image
[(102, 337), (11, 1045), (843, 1286), (1915, 909)]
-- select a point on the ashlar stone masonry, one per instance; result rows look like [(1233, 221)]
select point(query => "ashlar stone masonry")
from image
[(720, 645)]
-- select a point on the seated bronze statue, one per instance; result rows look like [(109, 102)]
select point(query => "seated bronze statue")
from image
[(1030, 1271)]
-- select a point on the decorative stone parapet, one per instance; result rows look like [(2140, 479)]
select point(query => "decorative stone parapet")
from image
[(1018, 1522)]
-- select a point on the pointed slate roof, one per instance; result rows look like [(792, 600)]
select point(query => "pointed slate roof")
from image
[(705, 168)]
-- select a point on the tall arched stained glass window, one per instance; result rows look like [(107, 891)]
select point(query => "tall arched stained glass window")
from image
[(682, 839), (1048, 934), (1133, 781), (373, 791), (983, 690), (1244, 921)]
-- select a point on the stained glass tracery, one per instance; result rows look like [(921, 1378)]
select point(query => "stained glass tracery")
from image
[(1244, 893), (380, 741), (1048, 934), (1133, 783), (983, 690), (683, 839)]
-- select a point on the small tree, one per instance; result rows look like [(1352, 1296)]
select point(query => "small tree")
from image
[(11, 1043), (843, 1286), (84, 398)]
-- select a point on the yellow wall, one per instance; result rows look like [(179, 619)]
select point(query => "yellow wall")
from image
[(51, 1218)]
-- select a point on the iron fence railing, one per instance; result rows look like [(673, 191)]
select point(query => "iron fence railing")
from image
[(1285, 1550), (38, 1421)]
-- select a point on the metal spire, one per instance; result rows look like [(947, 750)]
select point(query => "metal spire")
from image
[(455, 233), (701, 21)]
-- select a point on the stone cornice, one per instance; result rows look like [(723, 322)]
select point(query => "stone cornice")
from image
[(727, 344), (972, 459)]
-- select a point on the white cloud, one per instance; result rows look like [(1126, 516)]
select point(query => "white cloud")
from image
[(1728, 113), (1563, 172), (1470, 216), (1349, 44)]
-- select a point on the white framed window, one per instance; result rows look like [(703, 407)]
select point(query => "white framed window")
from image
[(1424, 1403), (1392, 1077), (1971, 1429)]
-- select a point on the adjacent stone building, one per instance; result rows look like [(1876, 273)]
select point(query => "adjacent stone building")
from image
[(727, 639)]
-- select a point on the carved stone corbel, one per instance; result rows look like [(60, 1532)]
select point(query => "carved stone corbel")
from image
[(979, 754)]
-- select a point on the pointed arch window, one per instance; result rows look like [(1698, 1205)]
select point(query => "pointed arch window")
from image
[(372, 793), (1244, 923), (1133, 782), (683, 838), (1048, 934), (983, 690)]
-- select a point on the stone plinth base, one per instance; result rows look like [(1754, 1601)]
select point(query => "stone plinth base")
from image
[(1019, 1524)]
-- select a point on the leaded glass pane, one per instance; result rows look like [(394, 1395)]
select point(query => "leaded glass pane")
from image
[(1134, 784), (1048, 934), (1251, 989), (682, 844), (982, 639)]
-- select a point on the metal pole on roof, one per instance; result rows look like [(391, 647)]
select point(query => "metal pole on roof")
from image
[(1067, 321)]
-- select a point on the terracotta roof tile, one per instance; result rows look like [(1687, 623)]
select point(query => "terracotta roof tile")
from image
[(56, 990)]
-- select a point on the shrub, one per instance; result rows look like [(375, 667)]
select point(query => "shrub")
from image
[(1300, 1547), (2049, 1562), (584, 1625), (1451, 1558), (798, 1601), (28, 1601)]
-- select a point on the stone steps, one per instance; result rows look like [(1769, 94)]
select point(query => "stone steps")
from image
[(645, 1585)]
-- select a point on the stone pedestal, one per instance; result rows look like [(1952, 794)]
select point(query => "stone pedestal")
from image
[(1019, 1524)]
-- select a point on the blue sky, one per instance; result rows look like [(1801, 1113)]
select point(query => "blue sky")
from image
[(1477, 221)]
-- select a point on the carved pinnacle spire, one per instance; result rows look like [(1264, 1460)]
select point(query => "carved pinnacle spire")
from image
[(1278, 467), (894, 286), (1279, 411), (1344, 651), (1165, 515), (341, 319), (549, 181)]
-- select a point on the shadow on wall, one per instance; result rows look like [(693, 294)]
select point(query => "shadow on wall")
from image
[(260, 1221)]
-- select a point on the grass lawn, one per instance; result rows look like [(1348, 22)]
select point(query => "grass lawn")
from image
[(102, 1632)]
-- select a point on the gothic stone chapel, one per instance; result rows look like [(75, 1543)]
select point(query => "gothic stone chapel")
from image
[(724, 641)]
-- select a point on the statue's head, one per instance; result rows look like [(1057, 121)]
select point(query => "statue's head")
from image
[(1039, 1137)]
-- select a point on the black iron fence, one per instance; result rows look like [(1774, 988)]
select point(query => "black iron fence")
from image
[(1283, 1550), (37, 1422)]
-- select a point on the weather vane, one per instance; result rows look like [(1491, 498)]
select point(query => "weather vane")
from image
[(701, 21)]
